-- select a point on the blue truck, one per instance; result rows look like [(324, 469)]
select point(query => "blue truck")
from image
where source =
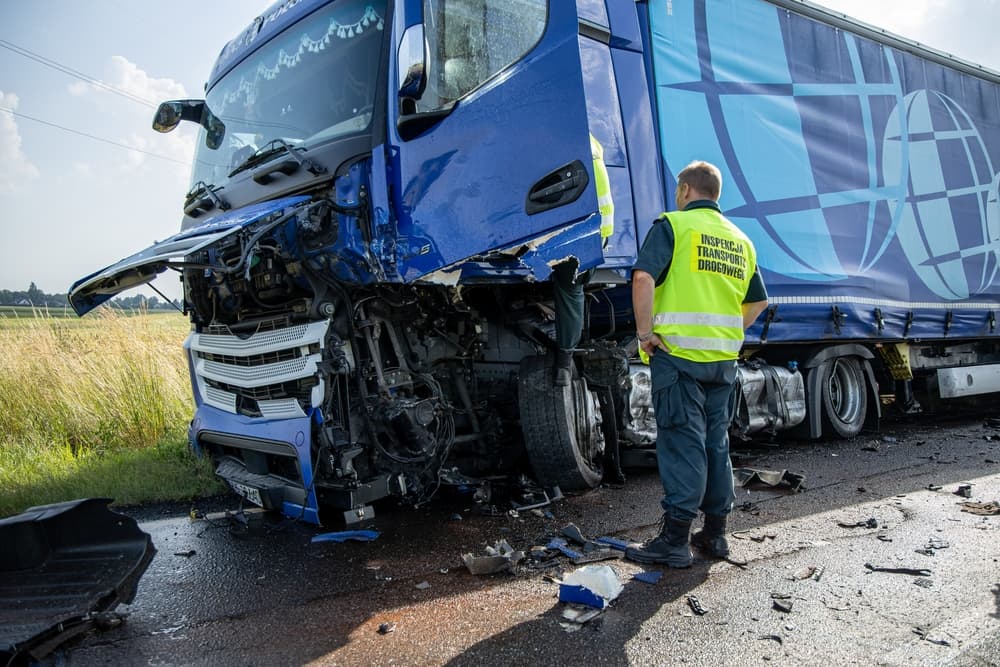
[(381, 189)]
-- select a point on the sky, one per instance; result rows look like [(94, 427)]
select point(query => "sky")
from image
[(84, 181)]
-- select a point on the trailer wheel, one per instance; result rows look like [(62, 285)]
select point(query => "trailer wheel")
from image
[(561, 427), (844, 396)]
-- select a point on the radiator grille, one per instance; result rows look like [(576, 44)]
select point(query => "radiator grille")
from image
[(272, 374)]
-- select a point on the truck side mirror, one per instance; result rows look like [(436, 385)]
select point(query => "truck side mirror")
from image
[(170, 114), (412, 63)]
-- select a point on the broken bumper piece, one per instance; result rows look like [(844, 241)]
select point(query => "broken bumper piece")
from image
[(61, 567)]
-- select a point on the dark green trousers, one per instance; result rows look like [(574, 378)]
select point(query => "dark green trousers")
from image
[(568, 302)]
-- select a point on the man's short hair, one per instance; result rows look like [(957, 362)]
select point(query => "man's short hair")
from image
[(703, 177)]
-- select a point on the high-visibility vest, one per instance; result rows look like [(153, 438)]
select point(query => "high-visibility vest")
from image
[(697, 309), (604, 202)]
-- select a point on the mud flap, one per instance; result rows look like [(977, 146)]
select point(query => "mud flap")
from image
[(60, 566)]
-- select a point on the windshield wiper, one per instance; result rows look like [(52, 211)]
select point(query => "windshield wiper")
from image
[(202, 198), (268, 151)]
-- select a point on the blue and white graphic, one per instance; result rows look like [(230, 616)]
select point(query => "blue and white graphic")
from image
[(954, 260), (841, 157)]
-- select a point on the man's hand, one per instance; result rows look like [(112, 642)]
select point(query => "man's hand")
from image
[(650, 345)]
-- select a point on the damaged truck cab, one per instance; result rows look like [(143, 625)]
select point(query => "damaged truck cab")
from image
[(381, 189)]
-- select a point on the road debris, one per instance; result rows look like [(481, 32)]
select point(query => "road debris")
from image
[(345, 535), (386, 628), (913, 571), (775, 638), (185, 554), (784, 606), (871, 446), (576, 617), (501, 557), (648, 577), (613, 542), (808, 572), (423, 586), (933, 487), (696, 606), (925, 635), (924, 583), (591, 585), (559, 544), (991, 508), (964, 490), (932, 545), (868, 523), (773, 478)]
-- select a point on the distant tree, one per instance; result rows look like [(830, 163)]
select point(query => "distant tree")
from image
[(35, 295)]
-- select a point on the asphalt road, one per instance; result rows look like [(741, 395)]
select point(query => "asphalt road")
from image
[(220, 593)]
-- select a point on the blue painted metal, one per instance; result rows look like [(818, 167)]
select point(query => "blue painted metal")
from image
[(89, 292), (460, 188), (297, 433)]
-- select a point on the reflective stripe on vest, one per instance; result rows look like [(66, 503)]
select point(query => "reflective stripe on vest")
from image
[(604, 202), (697, 309)]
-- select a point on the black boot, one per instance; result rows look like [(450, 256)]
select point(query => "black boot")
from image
[(670, 547), (562, 368), (712, 538)]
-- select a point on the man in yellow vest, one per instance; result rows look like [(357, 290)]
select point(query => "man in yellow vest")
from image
[(568, 284), (695, 288)]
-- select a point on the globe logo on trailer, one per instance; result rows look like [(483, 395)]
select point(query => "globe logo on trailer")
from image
[(950, 177)]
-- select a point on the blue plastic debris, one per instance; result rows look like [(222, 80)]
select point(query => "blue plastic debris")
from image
[(648, 577), (591, 585), (345, 535), (613, 542), (560, 544)]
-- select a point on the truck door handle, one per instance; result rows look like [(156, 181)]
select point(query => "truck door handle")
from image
[(558, 187)]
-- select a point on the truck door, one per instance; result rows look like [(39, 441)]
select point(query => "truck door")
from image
[(500, 154)]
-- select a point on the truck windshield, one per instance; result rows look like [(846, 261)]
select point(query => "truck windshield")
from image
[(313, 82)]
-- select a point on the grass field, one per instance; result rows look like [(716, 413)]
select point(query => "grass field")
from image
[(96, 406)]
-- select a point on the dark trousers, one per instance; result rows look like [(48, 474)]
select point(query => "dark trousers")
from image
[(568, 301), (693, 406)]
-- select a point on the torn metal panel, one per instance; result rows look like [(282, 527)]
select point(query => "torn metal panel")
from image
[(60, 566), (530, 260)]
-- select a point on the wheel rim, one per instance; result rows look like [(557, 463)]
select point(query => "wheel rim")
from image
[(587, 421), (844, 390)]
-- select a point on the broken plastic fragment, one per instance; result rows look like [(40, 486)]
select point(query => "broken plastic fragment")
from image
[(647, 577), (591, 585), (560, 544), (345, 535), (695, 605), (784, 606), (613, 542), (772, 478), (917, 572), (985, 509), (578, 615), (501, 557)]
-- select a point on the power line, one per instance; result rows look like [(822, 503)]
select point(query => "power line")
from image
[(90, 136), (48, 62)]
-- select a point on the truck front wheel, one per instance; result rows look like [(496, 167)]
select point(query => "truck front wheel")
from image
[(844, 396), (561, 427)]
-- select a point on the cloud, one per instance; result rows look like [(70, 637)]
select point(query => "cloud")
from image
[(124, 75), (15, 168), (128, 77)]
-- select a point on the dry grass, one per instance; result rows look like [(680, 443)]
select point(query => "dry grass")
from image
[(104, 400)]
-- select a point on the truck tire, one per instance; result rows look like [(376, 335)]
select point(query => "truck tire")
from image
[(843, 395), (561, 427)]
